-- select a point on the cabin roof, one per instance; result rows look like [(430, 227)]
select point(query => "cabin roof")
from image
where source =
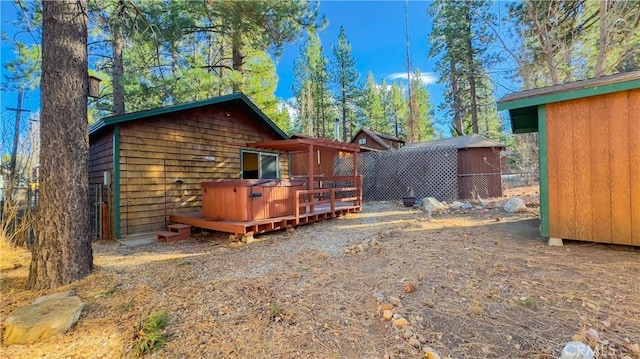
[(523, 105), (378, 137), (239, 98), (459, 142)]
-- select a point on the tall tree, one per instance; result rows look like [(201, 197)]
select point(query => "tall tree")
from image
[(460, 37), (311, 89), (424, 125), (344, 77), (397, 110), (372, 107), (62, 250)]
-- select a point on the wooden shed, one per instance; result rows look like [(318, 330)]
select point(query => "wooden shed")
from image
[(589, 138), (154, 161), (375, 141), (479, 166)]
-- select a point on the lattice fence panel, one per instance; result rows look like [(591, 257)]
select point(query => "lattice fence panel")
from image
[(431, 172)]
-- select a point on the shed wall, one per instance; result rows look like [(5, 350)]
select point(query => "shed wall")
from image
[(156, 152), (479, 169), (594, 168), (322, 167)]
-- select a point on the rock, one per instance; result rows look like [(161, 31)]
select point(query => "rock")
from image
[(478, 208), (430, 353), (466, 205), (432, 205), (383, 307), (379, 296), (456, 205), (387, 314), (413, 342), (394, 300), (576, 350), (482, 202), (45, 317), (400, 323), (514, 205)]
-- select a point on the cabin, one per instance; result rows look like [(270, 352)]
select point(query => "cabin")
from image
[(154, 164), (589, 149), (375, 141), (479, 164)]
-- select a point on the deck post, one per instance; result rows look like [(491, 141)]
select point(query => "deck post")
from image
[(310, 185), (332, 200)]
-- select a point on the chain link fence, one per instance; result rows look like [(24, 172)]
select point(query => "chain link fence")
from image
[(388, 175)]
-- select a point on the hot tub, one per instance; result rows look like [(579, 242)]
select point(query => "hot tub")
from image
[(249, 199)]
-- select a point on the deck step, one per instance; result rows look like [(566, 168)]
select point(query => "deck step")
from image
[(183, 229), (167, 236)]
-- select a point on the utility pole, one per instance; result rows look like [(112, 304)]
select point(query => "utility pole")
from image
[(16, 136)]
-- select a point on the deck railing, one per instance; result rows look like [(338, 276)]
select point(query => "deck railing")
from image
[(329, 191)]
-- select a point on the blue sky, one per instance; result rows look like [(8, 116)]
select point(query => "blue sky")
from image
[(376, 31)]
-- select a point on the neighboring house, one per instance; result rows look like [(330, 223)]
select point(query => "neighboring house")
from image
[(589, 147), (154, 161), (375, 141), (479, 166)]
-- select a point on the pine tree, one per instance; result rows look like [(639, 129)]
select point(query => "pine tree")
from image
[(344, 77)]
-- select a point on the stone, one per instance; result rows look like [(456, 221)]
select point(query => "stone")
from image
[(555, 242), (394, 300), (576, 350), (432, 205), (387, 314), (430, 353), (379, 296), (46, 317), (413, 342), (386, 306), (482, 202), (456, 205), (478, 208), (514, 205), (400, 323), (466, 205)]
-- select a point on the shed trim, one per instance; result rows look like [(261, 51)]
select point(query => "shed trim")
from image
[(522, 105), (116, 182), (113, 120), (544, 171)]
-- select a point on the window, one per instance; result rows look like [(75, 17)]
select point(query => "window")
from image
[(362, 141), (259, 165)]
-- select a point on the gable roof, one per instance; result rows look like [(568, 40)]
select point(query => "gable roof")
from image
[(523, 105), (460, 142), (238, 97), (378, 137)]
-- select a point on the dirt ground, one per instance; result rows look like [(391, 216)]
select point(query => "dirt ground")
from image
[(482, 284)]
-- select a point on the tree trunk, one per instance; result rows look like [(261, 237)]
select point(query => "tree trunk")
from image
[(457, 106), (238, 59), (118, 70), (471, 71), (344, 112), (62, 249), (602, 48)]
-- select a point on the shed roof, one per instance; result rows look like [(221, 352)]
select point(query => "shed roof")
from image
[(459, 142), (378, 137), (523, 106), (238, 97), (303, 144)]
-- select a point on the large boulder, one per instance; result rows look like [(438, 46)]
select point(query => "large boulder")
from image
[(514, 205), (45, 317)]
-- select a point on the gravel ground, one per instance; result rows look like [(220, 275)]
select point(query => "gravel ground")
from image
[(483, 284)]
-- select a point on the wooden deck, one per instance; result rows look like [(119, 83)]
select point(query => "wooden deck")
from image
[(310, 206)]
